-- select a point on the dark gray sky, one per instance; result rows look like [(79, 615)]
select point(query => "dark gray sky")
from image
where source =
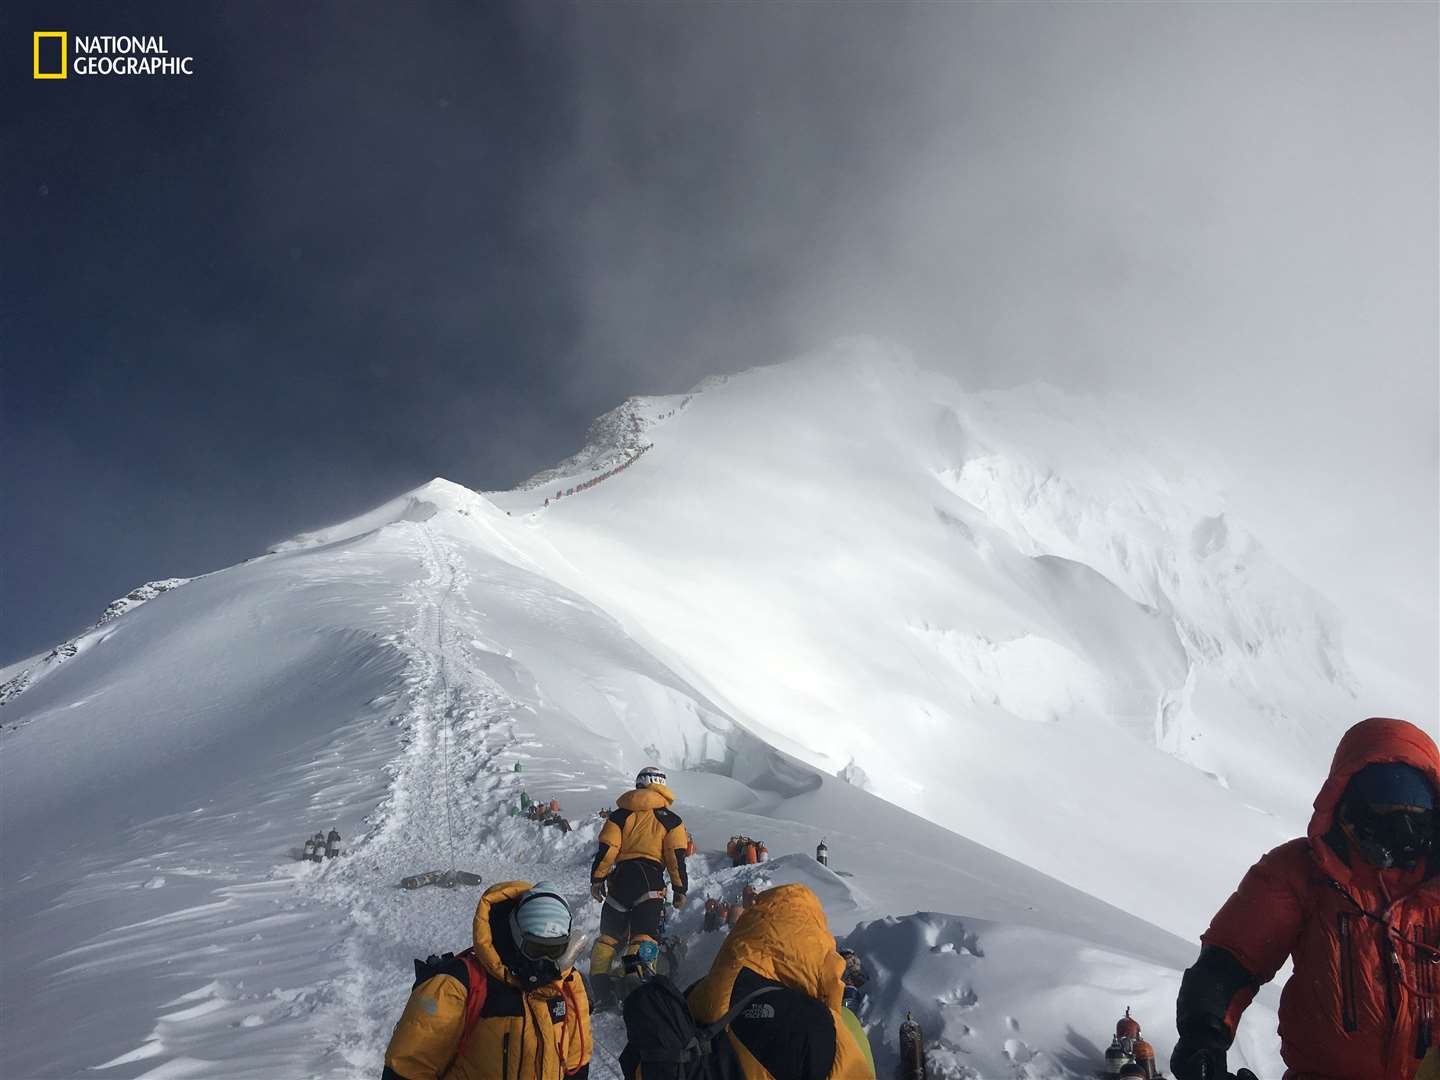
[(371, 243)]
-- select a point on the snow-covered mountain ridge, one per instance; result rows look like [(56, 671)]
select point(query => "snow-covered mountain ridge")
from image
[(824, 584), (848, 548), (19, 677)]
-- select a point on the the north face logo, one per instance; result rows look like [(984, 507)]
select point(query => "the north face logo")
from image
[(760, 1011)]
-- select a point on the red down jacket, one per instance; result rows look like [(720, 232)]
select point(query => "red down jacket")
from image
[(1364, 999)]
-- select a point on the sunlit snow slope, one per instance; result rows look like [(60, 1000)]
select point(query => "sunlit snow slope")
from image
[(1012, 617), (1015, 663)]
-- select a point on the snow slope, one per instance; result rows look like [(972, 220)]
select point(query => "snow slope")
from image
[(969, 597), (1007, 663)]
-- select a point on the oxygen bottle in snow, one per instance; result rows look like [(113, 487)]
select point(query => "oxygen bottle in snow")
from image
[(309, 849), (332, 844), (912, 1050), (1144, 1055), (822, 854), (319, 842), (1116, 1058)]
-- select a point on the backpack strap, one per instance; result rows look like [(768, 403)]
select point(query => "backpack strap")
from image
[(709, 1031), (705, 1034), (476, 992)]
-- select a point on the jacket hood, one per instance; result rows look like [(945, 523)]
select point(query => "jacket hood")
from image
[(783, 936), (491, 918), (1376, 740), (654, 797)]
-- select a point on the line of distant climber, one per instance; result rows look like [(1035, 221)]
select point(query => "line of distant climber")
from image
[(562, 492)]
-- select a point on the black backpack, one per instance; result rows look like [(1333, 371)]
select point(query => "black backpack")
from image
[(663, 1036)]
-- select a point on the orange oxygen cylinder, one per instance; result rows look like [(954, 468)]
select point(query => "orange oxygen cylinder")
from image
[(762, 853), (747, 896), (1144, 1055), (751, 855), (689, 845), (554, 806), (733, 916)]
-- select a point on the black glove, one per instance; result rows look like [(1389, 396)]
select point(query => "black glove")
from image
[(1191, 1062), (1206, 1064), (1206, 993)]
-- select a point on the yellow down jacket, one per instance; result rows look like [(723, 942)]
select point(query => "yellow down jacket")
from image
[(542, 1033), (644, 827), (784, 938)]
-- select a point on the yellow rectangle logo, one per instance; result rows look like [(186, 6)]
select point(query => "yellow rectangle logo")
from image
[(64, 54)]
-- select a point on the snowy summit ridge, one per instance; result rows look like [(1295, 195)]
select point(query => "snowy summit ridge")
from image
[(613, 438), (1000, 650)]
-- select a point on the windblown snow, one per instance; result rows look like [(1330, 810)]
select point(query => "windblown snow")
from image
[(1043, 697)]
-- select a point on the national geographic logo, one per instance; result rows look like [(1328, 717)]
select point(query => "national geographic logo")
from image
[(105, 54)]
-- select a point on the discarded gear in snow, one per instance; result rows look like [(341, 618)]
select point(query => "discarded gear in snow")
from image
[(912, 1050), (1116, 1057), (744, 851), (446, 879), (332, 844)]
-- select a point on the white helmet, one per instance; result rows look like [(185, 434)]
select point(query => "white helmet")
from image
[(650, 774)]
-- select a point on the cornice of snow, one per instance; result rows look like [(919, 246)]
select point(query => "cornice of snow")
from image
[(418, 504)]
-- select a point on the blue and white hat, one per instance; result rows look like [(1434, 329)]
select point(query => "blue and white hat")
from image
[(540, 923)]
